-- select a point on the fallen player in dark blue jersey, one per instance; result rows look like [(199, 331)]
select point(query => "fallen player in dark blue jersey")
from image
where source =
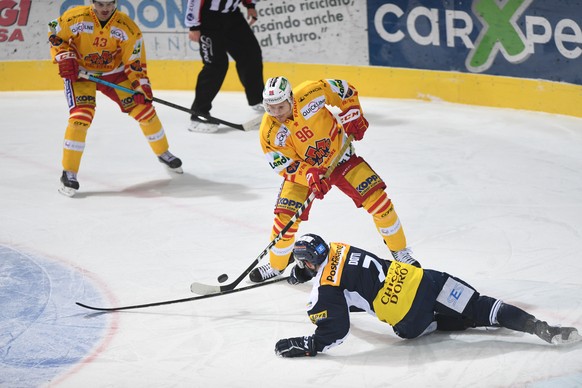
[(414, 301)]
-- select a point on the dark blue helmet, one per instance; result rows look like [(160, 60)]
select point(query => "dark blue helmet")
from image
[(311, 248)]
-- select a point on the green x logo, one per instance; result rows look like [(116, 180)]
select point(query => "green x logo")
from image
[(500, 33)]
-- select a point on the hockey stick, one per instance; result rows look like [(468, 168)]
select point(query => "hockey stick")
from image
[(204, 289), (248, 126), (139, 306)]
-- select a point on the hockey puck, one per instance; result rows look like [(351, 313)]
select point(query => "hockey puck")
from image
[(223, 278)]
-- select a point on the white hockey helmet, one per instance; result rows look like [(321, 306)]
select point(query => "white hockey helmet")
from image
[(277, 90)]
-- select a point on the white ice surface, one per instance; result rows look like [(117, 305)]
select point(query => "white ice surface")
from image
[(493, 196)]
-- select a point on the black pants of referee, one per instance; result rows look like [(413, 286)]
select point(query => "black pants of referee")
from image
[(223, 34)]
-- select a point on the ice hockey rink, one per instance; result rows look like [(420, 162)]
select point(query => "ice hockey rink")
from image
[(493, 196)]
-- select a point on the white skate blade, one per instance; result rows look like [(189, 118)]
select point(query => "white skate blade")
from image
[(67, 191), (573, 337), (177, 170)]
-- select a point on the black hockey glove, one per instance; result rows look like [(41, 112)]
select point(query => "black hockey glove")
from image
[(296, 347), (299, 275)]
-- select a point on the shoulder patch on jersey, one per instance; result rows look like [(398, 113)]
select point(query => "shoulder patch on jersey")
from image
[(339, 87), (281, 137), (332, 272), (318, 316), (54, 26), (277, 161)]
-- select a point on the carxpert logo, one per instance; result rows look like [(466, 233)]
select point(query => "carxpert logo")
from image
[(500, 34), (522, 38)]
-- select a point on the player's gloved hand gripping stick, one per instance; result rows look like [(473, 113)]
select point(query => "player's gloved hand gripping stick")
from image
[(204, 289), (248, 126)]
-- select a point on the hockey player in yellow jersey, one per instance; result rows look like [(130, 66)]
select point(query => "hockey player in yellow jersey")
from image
[(300, 138), (102, 41)]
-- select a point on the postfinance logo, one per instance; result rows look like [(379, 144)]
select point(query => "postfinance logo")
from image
[(500, 34)]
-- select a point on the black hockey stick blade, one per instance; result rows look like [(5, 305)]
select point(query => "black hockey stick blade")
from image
[(173, 301)]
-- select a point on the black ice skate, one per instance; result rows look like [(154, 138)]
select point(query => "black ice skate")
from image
[(554, 334), (173, 163), (70, 185)]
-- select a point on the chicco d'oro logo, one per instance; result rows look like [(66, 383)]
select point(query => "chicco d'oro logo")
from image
[(500, 34)]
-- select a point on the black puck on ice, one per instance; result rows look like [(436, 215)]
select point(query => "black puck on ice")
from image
[(223, 278)]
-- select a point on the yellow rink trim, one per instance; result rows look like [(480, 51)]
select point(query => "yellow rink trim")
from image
[(473, 89)]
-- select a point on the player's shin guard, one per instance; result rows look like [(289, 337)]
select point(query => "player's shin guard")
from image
[(151, 127), (386, 220), (74, 143), (280, 254)]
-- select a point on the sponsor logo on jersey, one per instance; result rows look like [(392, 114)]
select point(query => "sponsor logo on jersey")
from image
[(316, 155), (279, 161), (137, 48), (78, 28), (74, 145), (69, 93), (281, 136), (394, 283), (289, 203), (313, 107), (318, 316), (368, 184), (206, 49), (338, 87), (54, 26), (307, 94), (392, 229), (118, 33), (332, 272), (85, 100)]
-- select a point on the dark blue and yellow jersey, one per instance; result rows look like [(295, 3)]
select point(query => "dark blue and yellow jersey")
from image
[(351, 276)]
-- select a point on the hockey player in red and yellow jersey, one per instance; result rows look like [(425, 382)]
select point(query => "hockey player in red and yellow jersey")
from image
[(414, 301), (102, 41), (300, 138)]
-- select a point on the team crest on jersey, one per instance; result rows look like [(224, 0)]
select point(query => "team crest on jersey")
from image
[(316, 155), (281, 136), (318, 317), (292, 169), (96, 59), (55, 41), (313, 107), (136, 66)]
